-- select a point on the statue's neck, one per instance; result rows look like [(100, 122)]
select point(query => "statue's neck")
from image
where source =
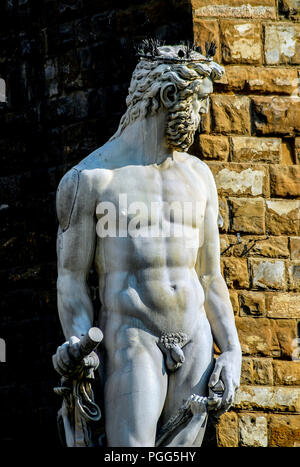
[(145, 140)]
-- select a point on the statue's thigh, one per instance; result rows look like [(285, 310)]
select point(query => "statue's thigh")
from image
[(193, 376), (135, 392)]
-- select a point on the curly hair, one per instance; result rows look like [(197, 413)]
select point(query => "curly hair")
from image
[(148, 77)]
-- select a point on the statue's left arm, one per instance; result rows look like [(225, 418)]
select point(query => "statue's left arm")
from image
[(217, 302)]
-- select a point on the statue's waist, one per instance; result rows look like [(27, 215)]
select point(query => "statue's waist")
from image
[(157, 306)]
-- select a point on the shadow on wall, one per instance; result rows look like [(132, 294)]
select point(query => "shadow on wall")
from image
[(65, 68)]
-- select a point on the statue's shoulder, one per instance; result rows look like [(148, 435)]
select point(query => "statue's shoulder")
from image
[(76, 188), (199, 166)]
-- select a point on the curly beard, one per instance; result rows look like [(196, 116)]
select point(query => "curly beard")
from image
[(181, 126)]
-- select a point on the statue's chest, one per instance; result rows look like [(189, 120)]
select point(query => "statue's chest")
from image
[(175, 194)]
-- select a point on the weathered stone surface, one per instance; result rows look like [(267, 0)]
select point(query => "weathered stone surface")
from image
[(248, 215), (279, 115), (262, 371), (224, 212), (294, 275), (214, 147), (286, 373), (241, 42), (247, 371), (230, 114), (257, 337), (297, 150), (283, 305), (240, 179), (235, 272), (283, 217), (252, 303), (251, 149), (253, 430), (289, 8), (295, 247), (285, 331), (258, 80), (268, 274), (284, 430), (270, 398), (234, 301), (285, 181), (282, 42), (286, 153), (227, 430), (253, 245), (264, 9), (273, 247), (205, 30)]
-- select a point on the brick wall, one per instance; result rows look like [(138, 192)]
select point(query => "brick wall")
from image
[(251, 142)]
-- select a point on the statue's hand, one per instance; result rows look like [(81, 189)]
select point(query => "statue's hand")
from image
[(226, 375), (68, 362), (197, 404)]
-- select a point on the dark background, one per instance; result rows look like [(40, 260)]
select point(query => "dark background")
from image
[(67, 66)]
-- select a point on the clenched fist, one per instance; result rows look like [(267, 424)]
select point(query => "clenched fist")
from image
[(68, 361)]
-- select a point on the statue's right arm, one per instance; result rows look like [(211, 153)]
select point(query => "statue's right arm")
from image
[(76, 241)]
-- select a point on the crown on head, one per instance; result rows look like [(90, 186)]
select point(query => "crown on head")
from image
[(153, 49)]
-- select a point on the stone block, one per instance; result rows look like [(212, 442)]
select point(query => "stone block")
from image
[(268, 274), (224, 213), (283, 305), (283, 216), (230, 114), (285, 181), (253, 245), (205, 123), (263, 371), (286, 152), (214, 147), (248, 215), (253, 430), (294, 275), (285, 331), (247, 371), (261, 9), (297, 150), (295, 247), (279, 115), (240, 179), (241, 42), (252, 303), (282, 43), (286, 373), (284, 430), (235, 272), (234, 301), (258, 80), (257, 337), (227, 430), (273, 247), (268, 398), (205, 30), (251, 149)]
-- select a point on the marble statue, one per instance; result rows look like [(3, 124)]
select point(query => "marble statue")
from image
[(144, 212)]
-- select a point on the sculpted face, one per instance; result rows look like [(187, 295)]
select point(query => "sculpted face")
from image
[(183, 119)]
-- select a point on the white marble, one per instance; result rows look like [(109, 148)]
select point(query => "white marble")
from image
[(163, 297)]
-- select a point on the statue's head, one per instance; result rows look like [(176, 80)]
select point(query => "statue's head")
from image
[(174, 79)]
